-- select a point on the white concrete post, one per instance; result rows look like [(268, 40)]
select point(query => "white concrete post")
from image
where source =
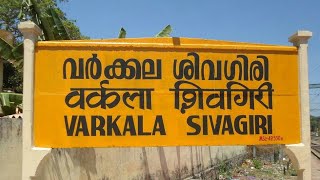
[(31, 156), (300, 154)]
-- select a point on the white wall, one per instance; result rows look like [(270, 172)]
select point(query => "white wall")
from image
[(130, 163), (108, 163), (10, 149)]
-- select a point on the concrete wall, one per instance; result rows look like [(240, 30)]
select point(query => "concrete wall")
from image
[(130, 163), (108, 163), (10, 149)]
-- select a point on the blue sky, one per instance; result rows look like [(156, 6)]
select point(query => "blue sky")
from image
[(264, 21)]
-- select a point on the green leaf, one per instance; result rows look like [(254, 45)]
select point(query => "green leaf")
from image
[(60, 31), (21, 13), (122, 33), (5, 49), (9, 102), (44, 24), (165, 32), (17, 52)]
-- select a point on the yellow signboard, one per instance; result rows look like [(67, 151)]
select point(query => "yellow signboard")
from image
[(164, 92)]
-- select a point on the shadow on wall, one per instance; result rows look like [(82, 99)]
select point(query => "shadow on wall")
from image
[(81, 163), (129, 163), (10, 148), (62, 164), (108, 163)]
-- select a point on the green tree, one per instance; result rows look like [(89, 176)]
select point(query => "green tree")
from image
[(314, 123), (45, 13), (9, 11), (165, 32), (53, 22)]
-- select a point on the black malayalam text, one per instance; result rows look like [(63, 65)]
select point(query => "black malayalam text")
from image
[(120, 69), (233, 70), (190, 68)]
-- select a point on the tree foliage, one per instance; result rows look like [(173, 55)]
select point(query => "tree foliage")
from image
[(122, 33), (165, 32), (49, 17), (54, 24), (45, 13), (9, 11), (314, 123)]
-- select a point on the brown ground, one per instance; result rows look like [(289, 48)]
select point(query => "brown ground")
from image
[(260, 169), (315, 164)]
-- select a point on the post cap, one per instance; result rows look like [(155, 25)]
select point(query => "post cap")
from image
[(29, 27), (300, 37)]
